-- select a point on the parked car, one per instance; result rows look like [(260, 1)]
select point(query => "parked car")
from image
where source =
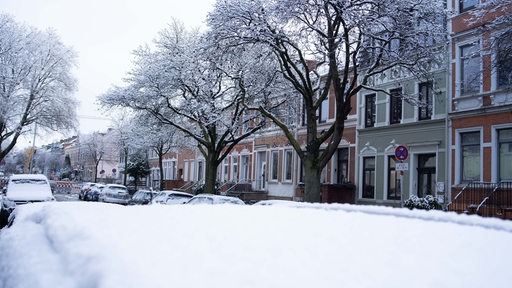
[(26, 188), (6, 208), (214, 199), (86, 187), (94, 193), (115, 193), (142, 197), (171, 197)]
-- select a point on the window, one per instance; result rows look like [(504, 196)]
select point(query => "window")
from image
[(465, 5), (504, 60), (200, 170), (288, 161), (394, 192), (275, 165), (425, 101), (304, 116), (168, 169), (369, 115), (185, 174), (369, 177), (245, 168), (505, 157), (324, 110), (225, 169), (342, 174), (469, 69), (234, 168), (470, 158), (395, 105)]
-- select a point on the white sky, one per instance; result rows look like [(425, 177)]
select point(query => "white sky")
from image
[(103, 33)]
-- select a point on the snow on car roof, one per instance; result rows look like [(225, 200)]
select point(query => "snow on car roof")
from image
[(176, 192), (29, 176)]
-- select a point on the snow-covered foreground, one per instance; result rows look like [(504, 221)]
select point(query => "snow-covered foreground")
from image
[(77, 244)]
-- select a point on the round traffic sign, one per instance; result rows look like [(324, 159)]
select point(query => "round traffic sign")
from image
[(401, 153)]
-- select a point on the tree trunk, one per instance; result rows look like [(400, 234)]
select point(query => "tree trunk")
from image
[(210, 174), (312, 185), (125, 175), (161, 171)]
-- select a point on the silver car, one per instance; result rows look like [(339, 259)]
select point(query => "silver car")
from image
[(211, 199), (170, 197), (115, 193)]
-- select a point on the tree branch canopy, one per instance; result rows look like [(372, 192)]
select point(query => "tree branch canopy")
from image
[(36, 84)]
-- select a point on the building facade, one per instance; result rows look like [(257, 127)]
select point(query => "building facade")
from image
[(386, 120), (481, 93)]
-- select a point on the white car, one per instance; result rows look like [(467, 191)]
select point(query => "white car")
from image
[(214, 199), (114, 193), (26, 188), (171, 197)]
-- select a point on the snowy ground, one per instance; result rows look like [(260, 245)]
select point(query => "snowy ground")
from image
[(78, 244)]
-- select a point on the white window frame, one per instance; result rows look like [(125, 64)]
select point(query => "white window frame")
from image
[(234, 168), (388, 106), (458, 81), (287, 159), (433, 108), (458, 152), (271, 178), (225, 169), (495, 153), (244, 165)]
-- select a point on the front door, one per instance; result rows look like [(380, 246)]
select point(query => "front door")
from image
[(426, 175)]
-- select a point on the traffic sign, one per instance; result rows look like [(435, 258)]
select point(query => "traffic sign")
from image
[(401, 153), (401, 166)]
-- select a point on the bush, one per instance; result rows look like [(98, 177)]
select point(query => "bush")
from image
[(428, 203)]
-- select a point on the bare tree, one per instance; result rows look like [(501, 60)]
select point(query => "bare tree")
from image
[(320, 46), (159, 139), (93, 149), (198, 90), (36, 84)]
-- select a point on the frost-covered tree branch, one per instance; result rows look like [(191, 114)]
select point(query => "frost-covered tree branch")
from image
[(331, 48), (36, 84)]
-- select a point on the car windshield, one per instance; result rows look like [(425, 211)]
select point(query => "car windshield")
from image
[(118, 189), (200, 200)]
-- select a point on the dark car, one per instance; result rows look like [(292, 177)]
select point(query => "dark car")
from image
[(6, 208), (142, 197), (86, 188), (94, 193)]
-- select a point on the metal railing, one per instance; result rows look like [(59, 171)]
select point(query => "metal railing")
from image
[(239, 187), (498, 203), (191, 187), (470, 197)]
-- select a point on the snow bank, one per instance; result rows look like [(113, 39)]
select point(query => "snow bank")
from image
[(76, 244)]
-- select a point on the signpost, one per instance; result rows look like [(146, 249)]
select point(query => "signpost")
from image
[(401, 154)]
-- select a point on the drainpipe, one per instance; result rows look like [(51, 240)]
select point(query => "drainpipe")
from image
[(448, 124)]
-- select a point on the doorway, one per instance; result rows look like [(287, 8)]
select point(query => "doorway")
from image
[(426, 175)]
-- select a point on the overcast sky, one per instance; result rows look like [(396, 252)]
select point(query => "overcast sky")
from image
[(103, 33)]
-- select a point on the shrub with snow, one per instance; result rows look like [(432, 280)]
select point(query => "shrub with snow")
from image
[(429, 202)]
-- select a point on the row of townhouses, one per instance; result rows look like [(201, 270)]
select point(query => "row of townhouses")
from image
[(458, 130)]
